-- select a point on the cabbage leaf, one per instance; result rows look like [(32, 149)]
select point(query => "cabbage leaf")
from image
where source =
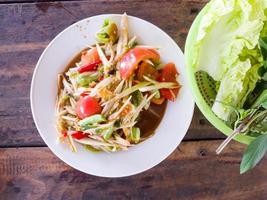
[(227, 48)]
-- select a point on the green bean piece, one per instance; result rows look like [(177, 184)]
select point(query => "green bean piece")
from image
[(84, 80), (107, 133), (92, 120), (157, 95), (135, 134)]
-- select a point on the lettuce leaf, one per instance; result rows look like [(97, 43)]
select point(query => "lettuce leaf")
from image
[(227, 49)]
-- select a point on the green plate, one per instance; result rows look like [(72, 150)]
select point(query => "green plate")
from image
[(196, 83)]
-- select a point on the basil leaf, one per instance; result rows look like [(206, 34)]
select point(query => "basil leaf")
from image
[(262, 43), (264, 77), (263, 46), (254, 153), (261, 71), (261, 99), (265, 64), (264, 104)]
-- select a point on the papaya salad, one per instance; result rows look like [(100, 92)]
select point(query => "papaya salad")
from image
[(114, 93)]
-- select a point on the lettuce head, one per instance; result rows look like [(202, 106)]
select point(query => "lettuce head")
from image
[(227, 48)]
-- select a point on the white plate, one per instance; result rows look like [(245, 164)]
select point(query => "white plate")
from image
[(137, 159)]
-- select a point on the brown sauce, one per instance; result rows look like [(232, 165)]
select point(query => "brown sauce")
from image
[(149, 119), (75, 60)]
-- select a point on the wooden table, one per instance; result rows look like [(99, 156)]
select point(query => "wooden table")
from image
[(29, 170)]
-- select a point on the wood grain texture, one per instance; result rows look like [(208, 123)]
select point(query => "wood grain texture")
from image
[(109, 1), (191, 172), (27, 28)]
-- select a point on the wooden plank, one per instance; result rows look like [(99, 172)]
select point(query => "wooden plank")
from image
[(27, 28), (192, 172), (18, 129), (35, 22), (201, 128), (113, 1)]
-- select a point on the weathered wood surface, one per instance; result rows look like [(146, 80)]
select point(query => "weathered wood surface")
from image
[(192, 172), (26, 29), (32, 172)]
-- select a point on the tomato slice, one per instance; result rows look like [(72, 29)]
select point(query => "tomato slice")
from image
[(87, 106), (146, 69), (169, 74), (89, 57), (132, 58), (169, 93)]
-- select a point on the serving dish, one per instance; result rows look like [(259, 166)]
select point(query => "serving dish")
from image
[(124, 163)]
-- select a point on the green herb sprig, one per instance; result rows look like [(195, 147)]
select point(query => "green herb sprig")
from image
[(246, 121)]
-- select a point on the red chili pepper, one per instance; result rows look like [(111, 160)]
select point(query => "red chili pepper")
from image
[(64, 134), (90, 67), (84, 94), (79, 135), (100, 78)]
